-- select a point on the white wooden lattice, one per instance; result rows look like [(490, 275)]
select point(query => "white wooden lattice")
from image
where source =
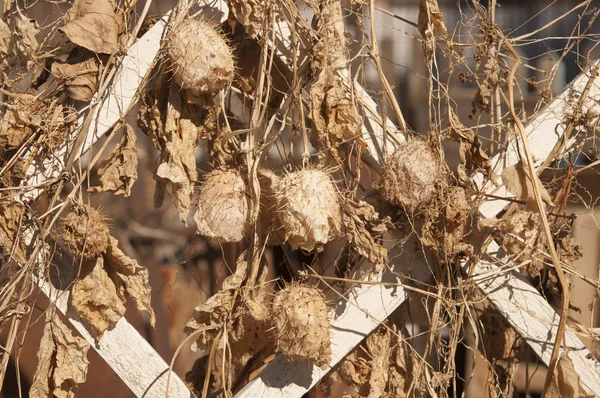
[(144, 371)]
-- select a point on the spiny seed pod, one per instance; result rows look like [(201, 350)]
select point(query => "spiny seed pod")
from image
[(85, 233), (302, 323), (222, 211), (201, 59), (308, 208), (409, 176)]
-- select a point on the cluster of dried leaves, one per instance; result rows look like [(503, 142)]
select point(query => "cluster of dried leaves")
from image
[(240, 93)]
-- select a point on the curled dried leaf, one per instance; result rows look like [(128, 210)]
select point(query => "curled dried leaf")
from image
[(62, 361), (130, 278), (12, 215), (178, 143), (80, 76), (249, 13), (566, 381), (24, 42), (334, 114), (491, 80), (363, 227), (518, 181), (93, 25), (18, 122), (5, 35), (472, 155), (118, 173), (95, 297), (429, 13)]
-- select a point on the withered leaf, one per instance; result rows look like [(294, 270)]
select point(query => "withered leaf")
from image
[(118, 173), (472, 156), (11, 216), (5, 36), (363, 227), (80, 77), (378, 344), (566, 381), (249, 13), (96, 299), (62, 361), (335, 117), (429, 12), (25, 44), (178, 156), (517, 180), (132, 278), (93, 24)]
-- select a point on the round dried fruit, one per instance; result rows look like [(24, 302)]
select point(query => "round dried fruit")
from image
[(308, 208), (302, 323), (85, 233), (222, 211), (201, 59), (409, 176)]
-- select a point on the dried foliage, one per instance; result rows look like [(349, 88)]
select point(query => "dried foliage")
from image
[(277, 129), (62, 361)]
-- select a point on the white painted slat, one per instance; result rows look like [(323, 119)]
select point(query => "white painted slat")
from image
[(531, 315)]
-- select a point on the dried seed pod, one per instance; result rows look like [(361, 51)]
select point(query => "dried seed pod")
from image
[(222, 211), (409, 176), (201, 59), (308, 208), (302, 323), (85, 233)]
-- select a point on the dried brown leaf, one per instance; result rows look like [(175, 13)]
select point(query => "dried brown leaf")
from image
[(62, 361), (118, 173), (178, 156), (131, 277), (249, 13), (96, 299), (378, 344), (517, 180), (79, 75), (93, 25), (472, 155), (17, 123), (24, 42), (491, 80), (12, 214), (5, 35), (334, 115), (363, 228), (566, 381), (429, 12)]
